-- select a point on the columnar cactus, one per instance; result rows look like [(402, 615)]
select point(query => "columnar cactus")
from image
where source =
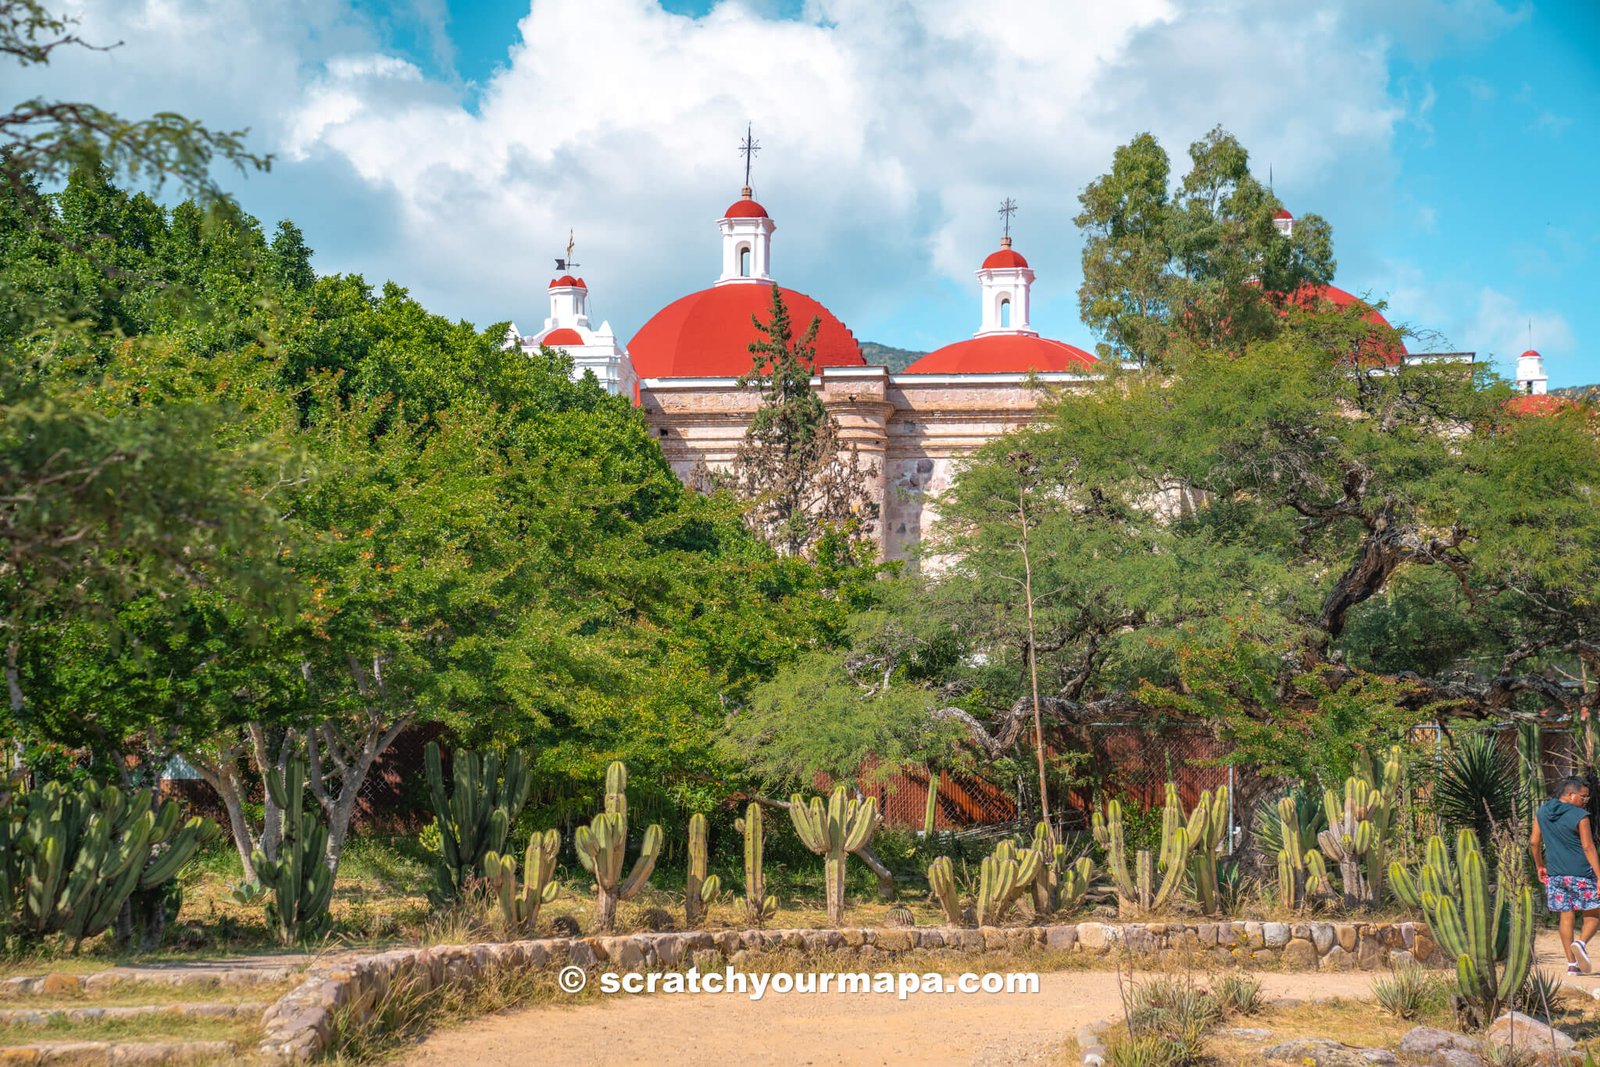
[(758, 905), (1302, 876), (700, 889), (1493, 950), (1139, 892), (1357, 836), (845, 825), (942, 882), (1059, 884), (475, 818), (299, 877), (520, 904), (931, 811), (1003, 877), (1207, 833), (603, 845), (73, 859)]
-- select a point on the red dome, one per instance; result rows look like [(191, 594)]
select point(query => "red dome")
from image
[(1312, 298), (1005, 353), (707, 334), (1004, 258), (1283, 213), (745, 209), (1530, 353), (568, 280), (563, 336)]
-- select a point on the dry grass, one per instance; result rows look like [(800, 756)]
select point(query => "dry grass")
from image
[(125, 994), (245, 1033)]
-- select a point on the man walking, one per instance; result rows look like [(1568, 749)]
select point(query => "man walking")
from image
[(1563, 849)]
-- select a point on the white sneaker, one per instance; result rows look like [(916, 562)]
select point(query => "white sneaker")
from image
[(1584, 963)]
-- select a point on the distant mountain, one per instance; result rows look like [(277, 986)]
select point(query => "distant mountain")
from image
[(896, 359), (1589, 394)]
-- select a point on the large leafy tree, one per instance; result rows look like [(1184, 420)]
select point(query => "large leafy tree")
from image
[(1202, 265)]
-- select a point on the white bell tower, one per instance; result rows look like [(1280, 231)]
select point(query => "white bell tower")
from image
[(1006, 282), (1531, 378), (746, 242), (569, 303)]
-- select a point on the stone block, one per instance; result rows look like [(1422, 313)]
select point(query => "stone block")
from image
[(1322, 936), (1061, 938), (1097, 937), (1300, 955), (896, 940), (1337, 959), (1345, 934), (1275, 935)]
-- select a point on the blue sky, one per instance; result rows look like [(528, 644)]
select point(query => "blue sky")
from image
[(450, 145)]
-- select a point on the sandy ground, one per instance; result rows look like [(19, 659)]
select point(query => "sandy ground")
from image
[(955, 1029)]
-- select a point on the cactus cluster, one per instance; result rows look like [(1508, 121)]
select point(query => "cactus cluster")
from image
[(1138, 891), (71, 860), (603, 845), (298, 876), (1207, 831), (758, 905), (1302, 876), (1059, 884), (1360, 825), (476, 816), (842, 826), (1003, 877), (942, 883), (1492, 941), (520, 901)]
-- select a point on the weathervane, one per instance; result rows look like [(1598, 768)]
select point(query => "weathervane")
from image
[(1008, 207), (748, 148), (569, 263)]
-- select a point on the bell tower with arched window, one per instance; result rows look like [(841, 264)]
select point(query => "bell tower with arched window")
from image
[(746, 242)]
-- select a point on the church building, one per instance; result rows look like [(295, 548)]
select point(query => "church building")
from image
[(910, 428)]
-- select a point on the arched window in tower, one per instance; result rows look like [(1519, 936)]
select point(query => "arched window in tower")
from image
[(1005, 313), (744, 261)]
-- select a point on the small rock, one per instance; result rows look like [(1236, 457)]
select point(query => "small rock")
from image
[(1300, 956), (58, 985), (1061, 938), (1456, 1057), (1322, 937), (1528, 1034), (1275, 935), (1424, 1041), (1321, 1052), (1245, 1033)]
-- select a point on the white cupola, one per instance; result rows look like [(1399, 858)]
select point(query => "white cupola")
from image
[(746, 242), (1531, 378), (568, 329), (1006, 283)]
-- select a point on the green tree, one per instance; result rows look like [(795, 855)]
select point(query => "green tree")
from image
[(803, 485), (1204, 266)]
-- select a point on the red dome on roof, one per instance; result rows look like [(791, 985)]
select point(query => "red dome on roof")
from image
[(1004, 258), (1530, 353), (1321, 297), (567, 280), (1283, 213), (708, 334), (563, 336), (745, 208), (1005, 353)]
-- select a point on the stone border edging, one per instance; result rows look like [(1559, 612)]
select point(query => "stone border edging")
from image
[(300, 1023), (122, 1053)]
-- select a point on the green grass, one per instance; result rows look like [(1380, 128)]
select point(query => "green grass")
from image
[(243, 1032)]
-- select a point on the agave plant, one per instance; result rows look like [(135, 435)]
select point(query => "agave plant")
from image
[(1477, 787), (1312, 820)]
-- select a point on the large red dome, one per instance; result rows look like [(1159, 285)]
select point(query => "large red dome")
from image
[(708, 334), (1005, 353), (1313, 298)]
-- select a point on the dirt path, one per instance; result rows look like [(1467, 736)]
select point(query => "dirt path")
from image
[(954, 1029), (665, 1030)]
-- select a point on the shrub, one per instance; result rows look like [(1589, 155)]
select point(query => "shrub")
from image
[(1238, 994), (1410, 992)]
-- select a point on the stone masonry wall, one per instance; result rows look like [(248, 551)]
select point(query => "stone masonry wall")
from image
[(299, 1025)]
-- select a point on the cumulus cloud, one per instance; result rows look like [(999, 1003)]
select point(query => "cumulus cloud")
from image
[(890, 132)]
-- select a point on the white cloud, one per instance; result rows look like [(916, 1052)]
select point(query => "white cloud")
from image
[(1504, 328), (890, 132)]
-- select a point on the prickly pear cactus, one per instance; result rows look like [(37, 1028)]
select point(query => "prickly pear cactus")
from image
[(602, 848)]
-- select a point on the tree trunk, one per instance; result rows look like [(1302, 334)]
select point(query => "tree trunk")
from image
[(886, 889), (605, 909)]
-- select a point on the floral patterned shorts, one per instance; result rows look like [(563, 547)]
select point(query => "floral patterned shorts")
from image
[(1566, 893)]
